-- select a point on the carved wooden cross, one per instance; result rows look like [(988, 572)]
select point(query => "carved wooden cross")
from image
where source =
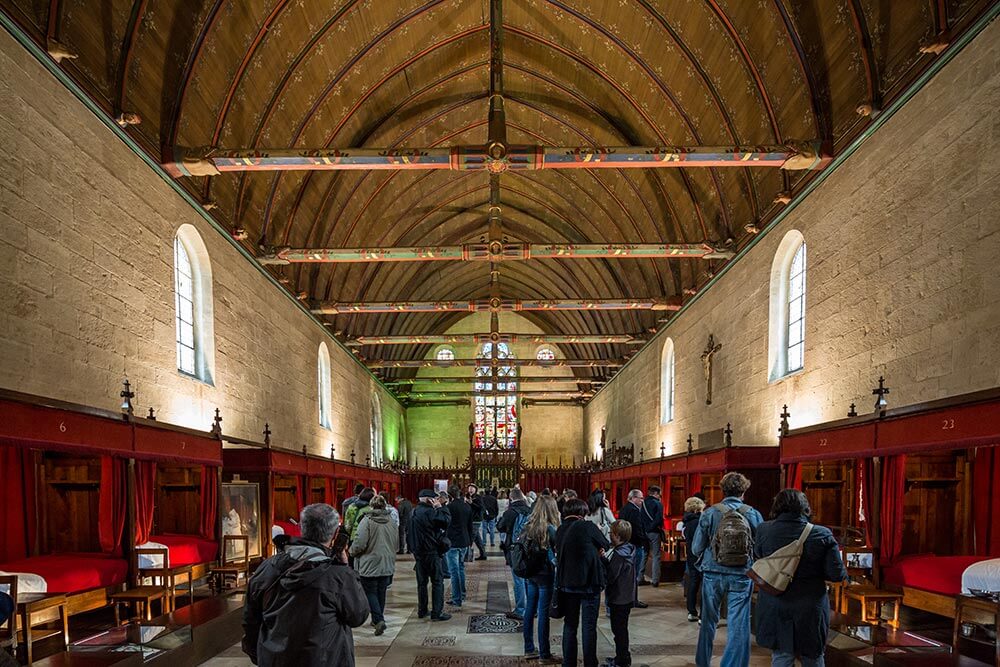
[(706, 362)]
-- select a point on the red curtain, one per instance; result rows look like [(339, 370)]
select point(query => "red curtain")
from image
[(111, 514), (300, 490), (793, 476), (145, 492), (209, 501), (986, 491), (694, 483), (329, 491), (891, 515), (863, 496), (17, 503)]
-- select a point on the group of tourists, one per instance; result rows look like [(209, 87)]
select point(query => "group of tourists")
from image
[(562, 552)]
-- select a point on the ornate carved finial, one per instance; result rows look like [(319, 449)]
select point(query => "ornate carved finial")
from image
[(820, 472), (352, 455), (127, 395), (853, 411), (152, 415), (690, 443), (368, 459), (642, 453), (663, 450), (728, 433), (785, 414), (305, 451), (333, 451), (217, 424), (267, 434), (880, 393)]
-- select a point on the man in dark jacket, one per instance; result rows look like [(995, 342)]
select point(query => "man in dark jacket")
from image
[(490, 511), (405, 508), (632, 512), (692, 589), (305, 582), (358, 488), (515, 517), (652, 513), (460, 536), (475, 501), (427, 527)]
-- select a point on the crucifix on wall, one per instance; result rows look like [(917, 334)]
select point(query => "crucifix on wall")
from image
[(706, 362)]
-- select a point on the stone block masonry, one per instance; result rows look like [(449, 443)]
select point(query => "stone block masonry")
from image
[(903, 242), (87, 289)]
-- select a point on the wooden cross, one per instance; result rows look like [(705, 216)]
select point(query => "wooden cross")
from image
[(706, 362)]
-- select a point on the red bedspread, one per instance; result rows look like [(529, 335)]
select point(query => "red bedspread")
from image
[(291, 529), (72, 573), (188, 549), (937, 574)]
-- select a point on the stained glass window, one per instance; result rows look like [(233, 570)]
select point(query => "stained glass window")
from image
[(495, 415), (445, 354), (545, 354)]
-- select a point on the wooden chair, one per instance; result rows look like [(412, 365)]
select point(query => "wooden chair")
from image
[(8, 631), (167, 576), (141, 597), (234, 563)]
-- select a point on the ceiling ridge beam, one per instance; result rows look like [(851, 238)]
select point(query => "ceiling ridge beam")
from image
[(496, 305), (486, 363), (443, 339)]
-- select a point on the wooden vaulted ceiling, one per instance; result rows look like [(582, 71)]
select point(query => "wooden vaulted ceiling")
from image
[(415, 73)]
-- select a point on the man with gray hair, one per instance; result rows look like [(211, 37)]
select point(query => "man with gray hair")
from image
[(302, 602)]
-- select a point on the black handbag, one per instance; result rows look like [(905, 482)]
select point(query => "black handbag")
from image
[(555, 609), (443, 543)]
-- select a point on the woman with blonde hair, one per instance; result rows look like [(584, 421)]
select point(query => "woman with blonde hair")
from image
[(540, 532), (693, 507)]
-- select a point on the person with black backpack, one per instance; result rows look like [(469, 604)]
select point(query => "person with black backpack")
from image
[(510, 525), (532, 558), (724, 543)]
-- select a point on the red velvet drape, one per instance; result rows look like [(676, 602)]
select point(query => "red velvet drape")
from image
[(330, 492), (986, 491), (863, 496), (17, 503), (891, 515), (793, 476), (209, 501), (111, 513), (145, 492), (694, 483)]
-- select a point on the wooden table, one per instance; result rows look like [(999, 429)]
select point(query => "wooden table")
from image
[(871, 600), (29, 604), (992, 607)]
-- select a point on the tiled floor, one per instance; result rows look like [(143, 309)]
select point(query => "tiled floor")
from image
[(661, 635)]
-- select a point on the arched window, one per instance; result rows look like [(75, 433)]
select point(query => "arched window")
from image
[(376, 430), (445, 353), (193, 305), (786, 336), (323, 386), (545, 354), (667, 382), (495, 415)]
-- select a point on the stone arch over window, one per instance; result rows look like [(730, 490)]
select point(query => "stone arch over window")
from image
[(194, 312), (786, 332), (667, 382), (324, 386)]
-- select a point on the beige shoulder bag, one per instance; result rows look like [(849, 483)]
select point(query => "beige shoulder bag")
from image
[(773, 573)]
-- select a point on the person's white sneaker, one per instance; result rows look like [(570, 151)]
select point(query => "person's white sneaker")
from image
[(692, 618)]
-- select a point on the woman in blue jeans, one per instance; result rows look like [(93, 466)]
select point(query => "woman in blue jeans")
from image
[(540, 530), (579, 580)]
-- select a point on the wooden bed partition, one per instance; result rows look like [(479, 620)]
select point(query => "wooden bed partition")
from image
[(68, 502), (178, 499)]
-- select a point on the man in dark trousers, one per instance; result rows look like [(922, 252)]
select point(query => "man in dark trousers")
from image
[(632, 512), (405, 509), (516, 514), (460, 536), (475, 500), (305, 581), (490, 511), (652, 512), (427, 526)]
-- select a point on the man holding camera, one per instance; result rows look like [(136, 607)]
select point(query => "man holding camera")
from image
[(427, 541), (308, 579)]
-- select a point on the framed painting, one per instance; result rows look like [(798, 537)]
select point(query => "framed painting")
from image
[(240, 513)]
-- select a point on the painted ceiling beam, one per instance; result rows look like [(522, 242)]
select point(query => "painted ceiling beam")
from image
[(478, 338), (494, 252), (418, 395), (494, 305), (486, 363), (521, 379), (211, 161)]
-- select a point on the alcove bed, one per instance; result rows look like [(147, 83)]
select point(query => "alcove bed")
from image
[(177, 495), (63, 500), (940, 499), (705, 470)]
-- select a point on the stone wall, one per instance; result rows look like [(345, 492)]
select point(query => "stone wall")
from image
[(86, 234), (903, 242)]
